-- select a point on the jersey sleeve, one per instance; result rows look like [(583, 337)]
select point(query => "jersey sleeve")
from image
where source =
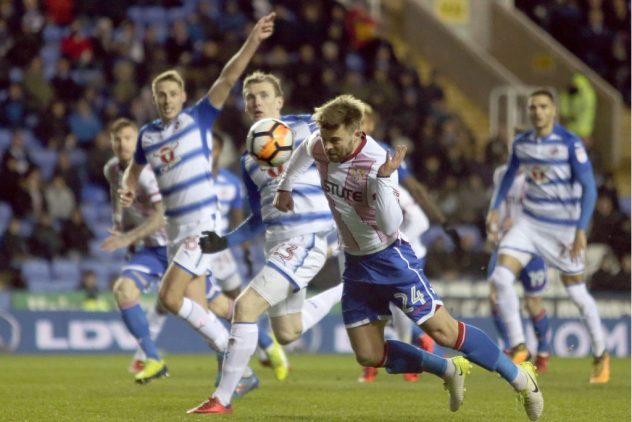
[(300, 161), (388, 212), (148, 185), (139, 154), (582, 171), (506, 181), (205, 113)]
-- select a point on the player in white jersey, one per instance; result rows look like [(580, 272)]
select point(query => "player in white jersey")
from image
[(178, 148), (230, 211), (558, 204), (140, 227), (295, 247), (360, 180), (533, 277)]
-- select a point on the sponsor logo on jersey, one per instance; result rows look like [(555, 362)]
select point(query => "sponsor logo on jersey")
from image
[(341, 191)]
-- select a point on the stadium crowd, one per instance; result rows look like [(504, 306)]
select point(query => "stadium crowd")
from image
[(68, 68)]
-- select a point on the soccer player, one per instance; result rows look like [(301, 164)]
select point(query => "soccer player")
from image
[(296, 248), (360, 181), (178, 148), (533, 277), (141, 227), (229, 204), (559, 202)]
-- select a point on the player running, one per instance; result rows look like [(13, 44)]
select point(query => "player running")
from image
[(533, 277), (360, 181), (296, 248), (178, 148), (558, 204)]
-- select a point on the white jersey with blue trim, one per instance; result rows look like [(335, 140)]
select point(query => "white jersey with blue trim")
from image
[(179, 153), (147, 194), (311, 212), (229, 196), (553, 193), (512, 206)]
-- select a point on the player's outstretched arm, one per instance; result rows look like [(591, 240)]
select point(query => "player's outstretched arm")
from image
[(388, 213), (236, 66), (127, 193), (299, 163)]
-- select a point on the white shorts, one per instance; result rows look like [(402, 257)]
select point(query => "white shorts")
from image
[(553, 243), (224, 269), (291, 264), (184, 249)]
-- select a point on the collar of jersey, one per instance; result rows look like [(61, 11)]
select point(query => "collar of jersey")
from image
[(357, 150)]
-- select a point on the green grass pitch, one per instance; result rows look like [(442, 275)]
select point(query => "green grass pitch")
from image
[(319, 388)]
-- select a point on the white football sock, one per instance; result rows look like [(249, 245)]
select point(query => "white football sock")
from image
[(205, 323), (241, 346), (521, 381), (590, 315), (401, 323), (508, 305), (315, 308)]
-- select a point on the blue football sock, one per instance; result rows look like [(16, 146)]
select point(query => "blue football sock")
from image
[(500, 327), (542, 327), (480, 349), (136, 322), (402, 358), (264, 341)]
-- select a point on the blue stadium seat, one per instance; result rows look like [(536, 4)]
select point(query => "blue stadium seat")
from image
[(26, 228), (66, 270), (94, 194), (45, 160), (78, 157), (5, 215), (100, 269), (36, 271), (624, 204), (90, 213)]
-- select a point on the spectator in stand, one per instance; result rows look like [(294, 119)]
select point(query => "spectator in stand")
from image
[(44, 241), (594, 42), (65, 87), (13, 108), (92, 302), (608, 225), (98, 155), (179, 45), (59, 12), (15, 165), (76, 46), (28, 200), (53, 127), (613, 275), (578, 105), (26, 45), (84, 123), (75, 235), (39, 92), (13, 247), (60, 201), (71, 175)]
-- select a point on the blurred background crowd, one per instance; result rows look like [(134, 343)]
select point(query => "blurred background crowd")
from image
[(69, 67)]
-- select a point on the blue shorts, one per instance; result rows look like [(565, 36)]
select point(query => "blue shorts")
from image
[(395, 275), (146, 267), (533, 275)]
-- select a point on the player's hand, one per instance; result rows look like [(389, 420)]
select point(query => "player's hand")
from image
[(493, 231), (392, 164), (283, 201), (579, 246), (116, 240), (126, 197), (453, 234), (264, 28), (507, 224), (211, 242)]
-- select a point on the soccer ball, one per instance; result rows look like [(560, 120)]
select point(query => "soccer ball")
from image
[(270, 142)]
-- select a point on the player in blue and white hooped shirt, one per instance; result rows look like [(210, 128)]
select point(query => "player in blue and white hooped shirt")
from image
[(178, 148), (141, 227), (558, 205), (360, 181), (295, 247), (533, 277)]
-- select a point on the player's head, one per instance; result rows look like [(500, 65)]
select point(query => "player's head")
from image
[(218, 146), (339, 122), (369, 119), (169, 94), (123, 136), (542, 110), (263, 96)]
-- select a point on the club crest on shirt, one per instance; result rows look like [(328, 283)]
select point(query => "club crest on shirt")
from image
[(358, 174), (167, 156), (580, 153)]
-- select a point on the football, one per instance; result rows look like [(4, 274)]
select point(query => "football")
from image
[(270, 142)]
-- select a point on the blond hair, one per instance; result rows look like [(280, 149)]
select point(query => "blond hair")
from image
[(344, 110), (258, 77), (169, 75), (120, 124)]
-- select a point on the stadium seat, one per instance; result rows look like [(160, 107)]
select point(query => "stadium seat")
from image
[(26, 228), (65, 270), (624, 204), (36, 272), (94, 194), (45, 160), (90, 213), (5, 215), (100, 269)]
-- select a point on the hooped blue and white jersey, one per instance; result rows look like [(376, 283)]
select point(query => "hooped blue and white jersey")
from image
[(554, 166), (311, 212), (229, 196), (180, 155)]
